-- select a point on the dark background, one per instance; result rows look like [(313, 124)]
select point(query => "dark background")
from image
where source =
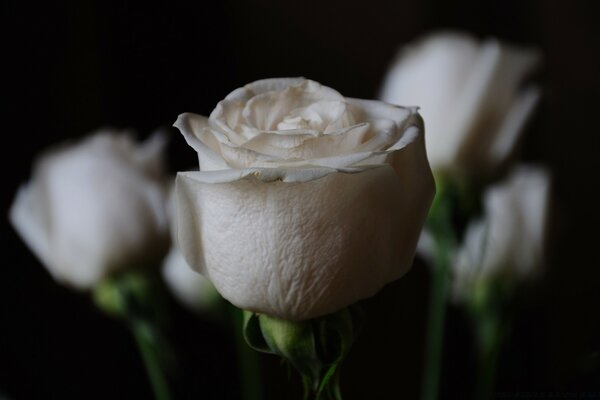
[(70, 68)]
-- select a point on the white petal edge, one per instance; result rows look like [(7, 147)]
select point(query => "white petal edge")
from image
[(188, 124), (262, 86), (26, 220), (517, 117)]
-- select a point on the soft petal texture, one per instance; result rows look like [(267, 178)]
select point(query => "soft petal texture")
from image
[(508, 241), (471, 98), (94, 207), (319, 205)]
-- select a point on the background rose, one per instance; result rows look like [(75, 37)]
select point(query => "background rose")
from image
[(508, 241), (305, 201), (471, 98), (94, 207)]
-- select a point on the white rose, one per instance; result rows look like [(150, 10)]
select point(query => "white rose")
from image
[(305, 201), (508, 241), (94, 207), (471, 98), (188, 286)]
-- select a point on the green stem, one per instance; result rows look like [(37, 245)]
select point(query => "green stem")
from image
[(441, 229), (145, 338), (134, 298), (436, 324), (248, 360), (491, 329)]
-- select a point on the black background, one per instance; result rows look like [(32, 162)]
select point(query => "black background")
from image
[(70, 68)]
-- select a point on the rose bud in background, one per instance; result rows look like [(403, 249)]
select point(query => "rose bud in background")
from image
[(95, 214), (507, 243), (471, 95), (500, 251), (94, 207)]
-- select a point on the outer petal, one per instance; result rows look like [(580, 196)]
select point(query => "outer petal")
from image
[(28, 216), (298, 250), (191, 126)]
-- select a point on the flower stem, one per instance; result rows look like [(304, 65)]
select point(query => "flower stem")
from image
[(248, 360), (491, 320), (134, 298), (435, 325), (147, 342), (440, 227), (488, 361)]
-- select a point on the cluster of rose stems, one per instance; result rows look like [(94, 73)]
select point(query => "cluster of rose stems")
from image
[(132, 298)]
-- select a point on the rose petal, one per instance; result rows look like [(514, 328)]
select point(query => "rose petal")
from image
[(299, 250), (508, 132), (28, 215), (193, 127), (308, 146), (264, 111), (262, 86), (488, 96)]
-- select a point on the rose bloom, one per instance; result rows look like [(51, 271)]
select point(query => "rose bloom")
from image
[(306, 201), (507, 242), (94, 207), (471, 95)]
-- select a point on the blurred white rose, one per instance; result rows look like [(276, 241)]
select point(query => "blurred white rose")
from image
[(508, 241), (305, 201), (94, 207), (471, 96), (188, 286)]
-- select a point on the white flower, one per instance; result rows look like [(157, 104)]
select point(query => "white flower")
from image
[(508, 241), (188, 286), (470, 95), (305, 201), (94, 207)]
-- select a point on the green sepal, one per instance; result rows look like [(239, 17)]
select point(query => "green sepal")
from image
[(253, 334), (123, 295), (316, 347)]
